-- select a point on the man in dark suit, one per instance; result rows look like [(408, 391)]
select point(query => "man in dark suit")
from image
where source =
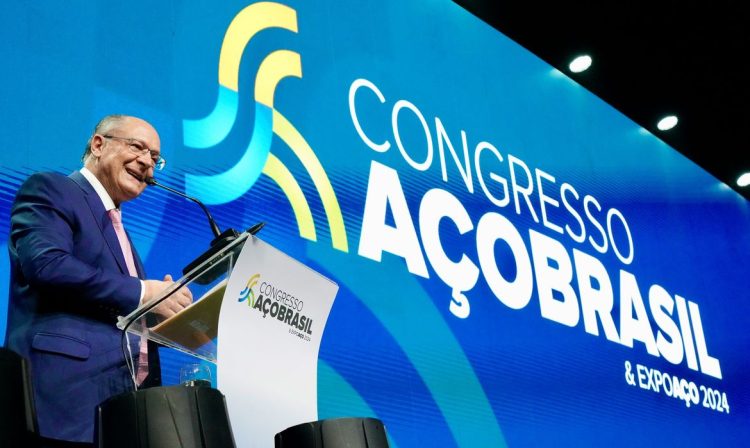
[(72, 275)]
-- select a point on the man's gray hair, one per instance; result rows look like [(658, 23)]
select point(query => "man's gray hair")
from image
[(105, 125)]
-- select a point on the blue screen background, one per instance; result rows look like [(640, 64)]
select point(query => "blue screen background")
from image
[(391, 348)]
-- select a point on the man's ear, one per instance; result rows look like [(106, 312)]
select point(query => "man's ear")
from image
[(97, 142)]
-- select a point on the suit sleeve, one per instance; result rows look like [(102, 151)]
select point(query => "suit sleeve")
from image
[(47, 233)]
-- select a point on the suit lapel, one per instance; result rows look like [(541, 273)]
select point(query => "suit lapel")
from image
[(101, 218)]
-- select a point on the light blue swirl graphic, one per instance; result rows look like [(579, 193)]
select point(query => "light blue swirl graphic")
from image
[(233, 183), (214, 128), (454, 385), (244, 294)]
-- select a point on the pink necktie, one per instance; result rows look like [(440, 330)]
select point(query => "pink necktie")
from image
[(116, 217)]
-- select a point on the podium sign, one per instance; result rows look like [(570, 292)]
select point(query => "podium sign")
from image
[(270, 327)]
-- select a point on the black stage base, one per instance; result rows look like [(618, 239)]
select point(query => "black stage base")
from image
[(164, 417), (348, 432)]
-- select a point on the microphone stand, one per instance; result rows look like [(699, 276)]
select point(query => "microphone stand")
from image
[(221, 239)]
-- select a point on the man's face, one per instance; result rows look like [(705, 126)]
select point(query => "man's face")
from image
[(122, 171)]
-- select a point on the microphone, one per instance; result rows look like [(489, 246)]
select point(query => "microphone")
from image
[(220, 241)]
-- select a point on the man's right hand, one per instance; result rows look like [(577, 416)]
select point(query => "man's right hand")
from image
[(175, 303)]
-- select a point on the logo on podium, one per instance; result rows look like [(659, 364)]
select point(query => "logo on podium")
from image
[(248, 291)]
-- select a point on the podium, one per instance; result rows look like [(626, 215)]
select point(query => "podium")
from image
[(184, 416), (194, 330), (271, 310)]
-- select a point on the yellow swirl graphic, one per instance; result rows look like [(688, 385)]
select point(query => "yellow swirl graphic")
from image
[(275, 67), (284, 179), (284, 129), (244, 26)]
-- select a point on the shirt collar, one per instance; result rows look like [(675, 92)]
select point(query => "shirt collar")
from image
[(99, 188)]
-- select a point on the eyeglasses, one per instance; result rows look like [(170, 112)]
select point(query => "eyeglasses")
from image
[(140, 148)]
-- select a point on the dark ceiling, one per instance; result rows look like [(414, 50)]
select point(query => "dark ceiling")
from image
[(651, 58)]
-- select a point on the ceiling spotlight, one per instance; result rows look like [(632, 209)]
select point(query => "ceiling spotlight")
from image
[(667, 123), (580, 64), (744, 180)]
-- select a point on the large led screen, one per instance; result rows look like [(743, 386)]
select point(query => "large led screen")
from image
[(518, 263)]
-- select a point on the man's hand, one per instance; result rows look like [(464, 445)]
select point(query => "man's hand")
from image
[(175, 303)]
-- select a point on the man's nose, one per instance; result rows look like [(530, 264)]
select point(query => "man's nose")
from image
[(145, 159)]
